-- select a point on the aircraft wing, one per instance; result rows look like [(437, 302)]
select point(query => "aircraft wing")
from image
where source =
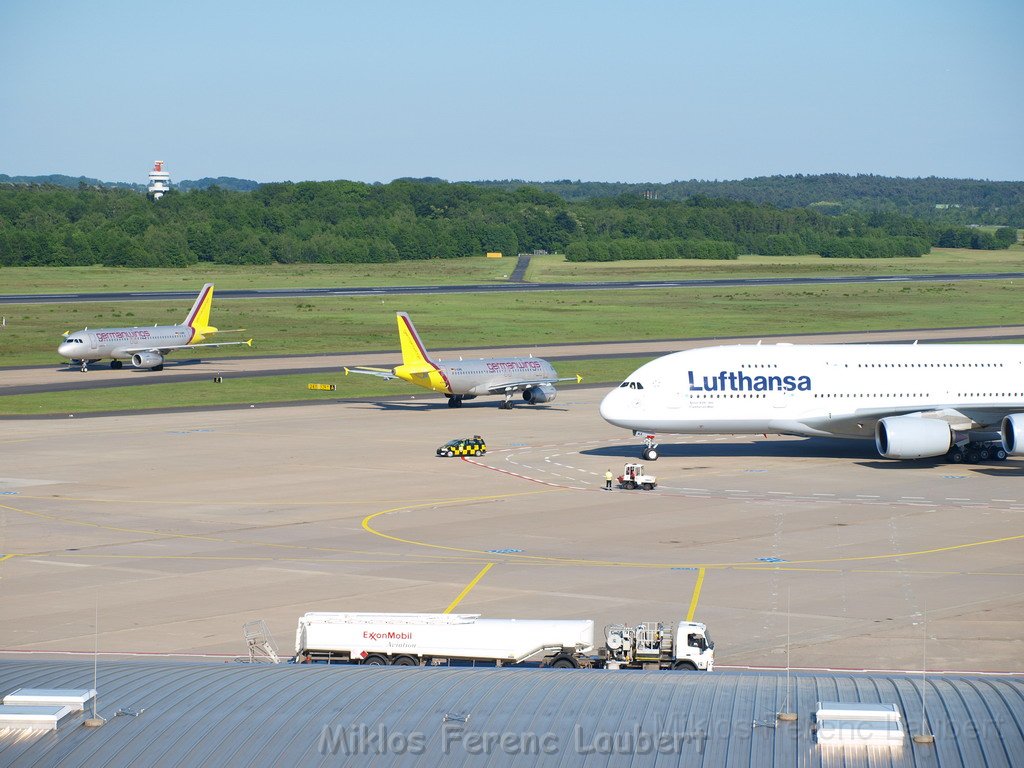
[(515, 386), (383, 373), (133, 350), (958, 418)]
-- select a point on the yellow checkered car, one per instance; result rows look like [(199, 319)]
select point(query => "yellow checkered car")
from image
[(464, 446)]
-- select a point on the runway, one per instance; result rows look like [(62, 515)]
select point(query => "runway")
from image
[(504, 287), (181, 368), (177, 528)]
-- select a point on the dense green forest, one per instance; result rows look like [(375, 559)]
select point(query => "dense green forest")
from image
[(334, 222), (949, 201)]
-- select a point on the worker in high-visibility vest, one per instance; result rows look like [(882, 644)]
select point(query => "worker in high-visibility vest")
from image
[(608, 480)]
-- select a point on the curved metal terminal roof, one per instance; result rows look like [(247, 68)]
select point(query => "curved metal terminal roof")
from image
[(174, 714)]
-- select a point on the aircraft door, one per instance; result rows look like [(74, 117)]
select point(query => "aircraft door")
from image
[(93, 342)]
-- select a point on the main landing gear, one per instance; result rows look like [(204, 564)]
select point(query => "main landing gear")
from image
[(506, 404), (974, 453), (650, 451), (455, 401)]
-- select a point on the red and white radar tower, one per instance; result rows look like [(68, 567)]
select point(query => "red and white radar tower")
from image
[(159, 180)]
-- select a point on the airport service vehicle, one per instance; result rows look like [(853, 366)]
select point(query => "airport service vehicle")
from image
[(421, 639), (633, 477), (915, 400), (144, 347), (460, 380), (464, 446)]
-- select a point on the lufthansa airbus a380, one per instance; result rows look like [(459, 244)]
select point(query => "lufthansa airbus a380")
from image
[(144, 347), (460, 380), (965, 401)]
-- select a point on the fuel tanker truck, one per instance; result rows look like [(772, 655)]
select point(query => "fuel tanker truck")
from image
[(431, 639)]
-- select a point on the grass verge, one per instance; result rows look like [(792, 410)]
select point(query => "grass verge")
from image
[(354, 324), (264, 389)]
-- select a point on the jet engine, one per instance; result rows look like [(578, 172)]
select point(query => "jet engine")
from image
[(147, 360), (1012, 433), (912, 437), (541, 393)]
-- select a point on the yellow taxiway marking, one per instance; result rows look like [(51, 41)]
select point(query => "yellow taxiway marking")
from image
[(368, 527), (696, 595), (469, 588)]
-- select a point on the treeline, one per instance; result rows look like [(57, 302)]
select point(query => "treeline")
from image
[(950, 201), (631, 248), (335, 222)]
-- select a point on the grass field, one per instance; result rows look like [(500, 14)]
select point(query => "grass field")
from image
[(229, 276), (353, 324), (267, 389), (546, 269), (479, 270)]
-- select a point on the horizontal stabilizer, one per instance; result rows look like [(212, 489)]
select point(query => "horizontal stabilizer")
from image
[(382, 373)]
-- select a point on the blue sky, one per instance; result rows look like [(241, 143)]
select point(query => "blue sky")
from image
[(602, 91)]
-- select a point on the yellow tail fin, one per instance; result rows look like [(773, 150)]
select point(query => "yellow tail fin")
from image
[(199, 317), (414, 354)]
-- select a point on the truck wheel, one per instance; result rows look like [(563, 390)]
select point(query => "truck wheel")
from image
[(685, 666), (375, 661), (404, 661), (648, 486), (564, 662)]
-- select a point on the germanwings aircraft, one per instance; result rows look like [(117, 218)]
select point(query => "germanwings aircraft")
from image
[(460, 380), (965, 401), (144, 347)]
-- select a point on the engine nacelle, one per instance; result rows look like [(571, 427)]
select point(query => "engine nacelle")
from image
[(147, 359), (912, 437), (541, 393), (1012, 434)]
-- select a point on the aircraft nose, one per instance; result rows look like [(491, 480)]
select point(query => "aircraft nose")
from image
[(613, 408), (64, 350)]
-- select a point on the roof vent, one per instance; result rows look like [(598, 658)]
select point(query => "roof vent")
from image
[(74, 699), (42, 709), (843, 724), (29, 718)]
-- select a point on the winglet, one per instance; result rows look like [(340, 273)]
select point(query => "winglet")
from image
[(346, 370), (579, 379), (249, 342)]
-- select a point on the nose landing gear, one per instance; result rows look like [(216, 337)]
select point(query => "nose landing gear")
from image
[(650, 451)]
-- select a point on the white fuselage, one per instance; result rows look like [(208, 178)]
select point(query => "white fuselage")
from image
[(115, 343), (838, 390), (484, 376)]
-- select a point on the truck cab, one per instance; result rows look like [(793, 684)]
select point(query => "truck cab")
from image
[(653, 645), (694, 646)]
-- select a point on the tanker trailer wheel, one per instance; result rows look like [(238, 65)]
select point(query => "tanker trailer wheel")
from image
[(404, 661), (564, 662), (375, 661)]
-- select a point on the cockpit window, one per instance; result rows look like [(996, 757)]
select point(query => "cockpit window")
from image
[(639, 385), (624, 384)]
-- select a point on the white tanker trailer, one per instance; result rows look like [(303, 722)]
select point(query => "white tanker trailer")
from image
[(420, 639)]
